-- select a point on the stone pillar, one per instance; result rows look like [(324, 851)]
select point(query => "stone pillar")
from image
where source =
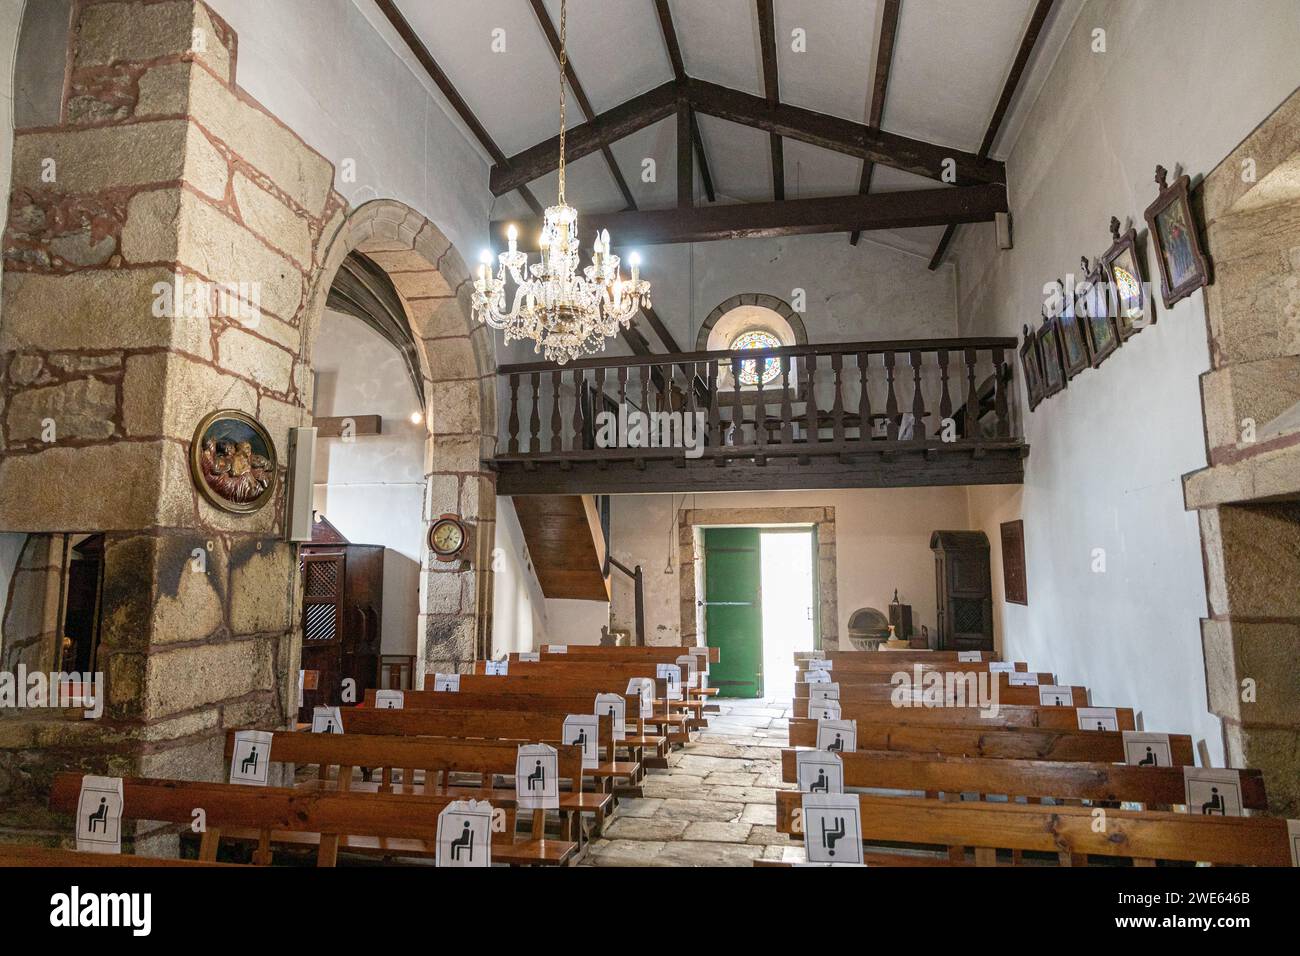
[(1248, 498), (162, 183)]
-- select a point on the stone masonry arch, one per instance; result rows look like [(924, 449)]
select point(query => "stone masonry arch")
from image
[(779, 306)]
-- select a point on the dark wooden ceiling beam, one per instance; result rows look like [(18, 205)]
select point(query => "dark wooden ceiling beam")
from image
[(608, 127), (1027, 44), (579, 94), (674, 49), (879, 86), (889, 210), (441, 80), (685, 155), (771, 90), (841, 135)]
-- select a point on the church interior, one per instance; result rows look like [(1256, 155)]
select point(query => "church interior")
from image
[(665, 414)]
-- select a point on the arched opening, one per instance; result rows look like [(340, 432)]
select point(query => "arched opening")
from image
[(738, 325)]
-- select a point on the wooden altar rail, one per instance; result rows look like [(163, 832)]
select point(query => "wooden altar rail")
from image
[(829, 399)]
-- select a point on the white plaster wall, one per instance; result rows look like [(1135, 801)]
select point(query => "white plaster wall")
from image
[(575, 622), (337, 74), (882, 542), (372, 488), (519, 609), (1181, 83)]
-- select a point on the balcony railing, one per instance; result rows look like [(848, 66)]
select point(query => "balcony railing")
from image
[(811, 400)]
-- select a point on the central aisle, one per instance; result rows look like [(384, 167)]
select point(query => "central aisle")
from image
[(716, 803)]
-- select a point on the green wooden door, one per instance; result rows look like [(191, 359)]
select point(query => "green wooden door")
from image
[(733, 610)]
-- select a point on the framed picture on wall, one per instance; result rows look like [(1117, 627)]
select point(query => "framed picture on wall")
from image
[(1049, 353), (1031, 368), (1131, 307), (1183, 266), (1074, 342), (1092, 305), (1014, 583)]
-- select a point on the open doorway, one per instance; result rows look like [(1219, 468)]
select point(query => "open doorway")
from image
[(788, 608), (759, 584)]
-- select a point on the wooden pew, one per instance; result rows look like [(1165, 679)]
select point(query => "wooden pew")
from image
[(1072, 780), (662, 653), (1009, 715), (1019, 743), (557, 669), (883, 692), (436, 759), (492, 719), (835, 657), (1067, 833), (887, 668), (399, 825), (14, 855)]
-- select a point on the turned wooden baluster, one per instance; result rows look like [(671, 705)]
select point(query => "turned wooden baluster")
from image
[(645, 389), (715, 420), (557, 423), (1000, 395), (597, 402), (512, 426), (891, 403), (760, 405), (737, 413), (787, 411), (864, 399), (622, 401), (945, 399), (972, 396), (535, 415), (810, 390), (918, 399), (837, 407), (579, 386)]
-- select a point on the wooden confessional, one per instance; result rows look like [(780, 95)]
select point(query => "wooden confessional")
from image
[(342, 611)]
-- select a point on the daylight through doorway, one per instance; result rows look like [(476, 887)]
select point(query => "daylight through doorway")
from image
[(788, 611)]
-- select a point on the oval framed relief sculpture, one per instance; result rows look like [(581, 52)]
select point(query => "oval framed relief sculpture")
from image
[(232, 461)]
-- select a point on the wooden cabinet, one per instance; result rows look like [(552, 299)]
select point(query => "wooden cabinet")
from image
[(964, 590), (342, 613)]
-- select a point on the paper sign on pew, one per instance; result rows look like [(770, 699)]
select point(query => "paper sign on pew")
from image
[(829, 691), (326, 720), (1054, 695), (817, 677), (818, 664), (537, 777), (1147, 750), (615, 705), (827, 709), (582, 730), (689, 668), (250, 763), (1212, 792), (968, 657), (1002, 667), (497, 668), (446, 683), (464, 834), (644, 688), (530, 657), (837, 736), (832, 828), (819, 771), (390, 700), (99, 815), (1097, 718), (557, 648), (1022, 678), (673, 675), (702, 653)]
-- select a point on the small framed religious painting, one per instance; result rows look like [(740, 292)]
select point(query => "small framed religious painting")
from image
[(1049, 353), (1031, 367), (1074, 342), (1131, 307), (1092, 305), (1183, 266), (232, 461)]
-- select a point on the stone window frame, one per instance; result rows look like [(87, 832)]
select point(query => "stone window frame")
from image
[(761, 299), (690, 555)]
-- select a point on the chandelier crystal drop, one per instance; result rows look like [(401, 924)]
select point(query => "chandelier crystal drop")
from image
[(566, 313)]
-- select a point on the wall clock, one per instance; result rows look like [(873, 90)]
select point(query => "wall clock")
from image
[(448, 537)]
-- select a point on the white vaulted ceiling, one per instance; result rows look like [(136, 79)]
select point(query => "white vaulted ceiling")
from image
[(951, 59)]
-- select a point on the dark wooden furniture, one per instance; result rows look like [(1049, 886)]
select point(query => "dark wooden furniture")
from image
[(964, 595), (342, 612), (1014, 582)]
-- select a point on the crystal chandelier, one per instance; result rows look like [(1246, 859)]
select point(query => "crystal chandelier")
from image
[(565, 313)]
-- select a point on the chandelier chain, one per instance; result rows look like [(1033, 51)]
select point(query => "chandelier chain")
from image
[(564, 70)]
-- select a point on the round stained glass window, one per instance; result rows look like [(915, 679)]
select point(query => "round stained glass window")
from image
[(757, 339)]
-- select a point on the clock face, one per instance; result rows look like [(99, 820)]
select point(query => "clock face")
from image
[(447, 536)]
